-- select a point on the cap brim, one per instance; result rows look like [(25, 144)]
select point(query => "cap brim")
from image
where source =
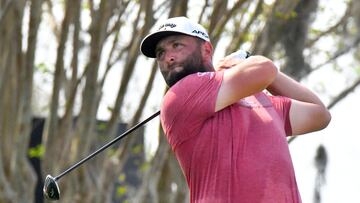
[(148, 45)]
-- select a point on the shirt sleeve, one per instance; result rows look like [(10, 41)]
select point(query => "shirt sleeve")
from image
[(282, 106), (188, 104)]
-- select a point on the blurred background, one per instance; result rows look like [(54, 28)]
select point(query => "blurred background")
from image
[(72, 78)]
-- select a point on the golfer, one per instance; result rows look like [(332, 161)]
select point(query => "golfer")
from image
[(228, 135)]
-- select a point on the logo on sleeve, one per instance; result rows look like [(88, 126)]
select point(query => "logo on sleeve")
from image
[(208, 74)]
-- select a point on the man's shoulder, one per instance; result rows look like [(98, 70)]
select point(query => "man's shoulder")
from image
[(196, 77), (196, 82), (193, 89)]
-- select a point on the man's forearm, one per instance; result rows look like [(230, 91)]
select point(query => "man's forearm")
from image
[(282, 85), (288, 87)]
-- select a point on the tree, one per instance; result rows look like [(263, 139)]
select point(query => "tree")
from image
[(95, 37)]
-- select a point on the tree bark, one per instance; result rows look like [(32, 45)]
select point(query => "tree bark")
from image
[(295, 41), (52, 138)]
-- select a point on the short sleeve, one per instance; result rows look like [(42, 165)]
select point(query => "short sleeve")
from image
[(282, 106), (188, 104)]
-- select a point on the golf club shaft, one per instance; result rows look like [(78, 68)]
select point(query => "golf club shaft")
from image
[(106, 146)]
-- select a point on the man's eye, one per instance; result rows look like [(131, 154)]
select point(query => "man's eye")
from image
[(176, 45), (159, 54)]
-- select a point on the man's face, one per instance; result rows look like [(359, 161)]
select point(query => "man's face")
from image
[(179, 56)]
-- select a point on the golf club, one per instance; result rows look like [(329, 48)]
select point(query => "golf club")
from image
[(51, 188)]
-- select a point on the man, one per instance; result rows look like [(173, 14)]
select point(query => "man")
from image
[(227, 134)]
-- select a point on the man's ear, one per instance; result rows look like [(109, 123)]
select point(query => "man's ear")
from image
[(207, 51)]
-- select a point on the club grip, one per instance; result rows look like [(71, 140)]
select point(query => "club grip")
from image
[(240, 54)]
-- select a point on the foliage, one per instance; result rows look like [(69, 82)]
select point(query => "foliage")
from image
[(37, 152)]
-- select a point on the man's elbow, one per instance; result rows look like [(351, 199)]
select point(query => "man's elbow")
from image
[(268, 69), (317, 118), (324, 118)]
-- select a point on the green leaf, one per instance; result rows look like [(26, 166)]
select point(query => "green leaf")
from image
[(315, 31), (121, 191), (144, 166), (284, 16), (357, 70), (111, 152), (37, 152), (102, 126), (122, 177), (43, 68), (137, 149)]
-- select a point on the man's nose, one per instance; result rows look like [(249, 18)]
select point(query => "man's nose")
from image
[(169, 57)]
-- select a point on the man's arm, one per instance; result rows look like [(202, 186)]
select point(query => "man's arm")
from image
[(243, 78), (307, 112)]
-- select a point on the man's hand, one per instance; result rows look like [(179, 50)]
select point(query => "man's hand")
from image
[(227, 62), (231, 60), (243, 79)]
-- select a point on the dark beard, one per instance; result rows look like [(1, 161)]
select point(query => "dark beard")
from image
[(193, 64)]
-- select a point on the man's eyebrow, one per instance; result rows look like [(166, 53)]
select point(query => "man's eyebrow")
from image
[(160, 48)]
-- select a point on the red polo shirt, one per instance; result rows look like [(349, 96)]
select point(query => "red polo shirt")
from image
[(238, 154)]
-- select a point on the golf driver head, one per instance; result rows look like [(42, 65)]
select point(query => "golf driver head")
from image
[(51, 188)]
